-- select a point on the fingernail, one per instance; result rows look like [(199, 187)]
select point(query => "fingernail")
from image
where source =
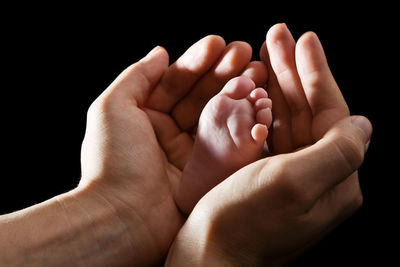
[(365, 126), (367, 145)]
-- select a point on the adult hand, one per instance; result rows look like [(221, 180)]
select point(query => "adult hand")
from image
[(273, 209), (137, 141), (139, 138)]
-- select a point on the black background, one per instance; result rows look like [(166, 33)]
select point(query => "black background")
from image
[(57, 59)]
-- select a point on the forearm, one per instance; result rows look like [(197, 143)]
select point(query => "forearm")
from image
[(77, 228)]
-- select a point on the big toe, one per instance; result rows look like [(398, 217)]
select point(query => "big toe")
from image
[(238, 88)]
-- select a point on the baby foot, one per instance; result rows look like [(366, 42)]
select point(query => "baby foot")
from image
[(231, 134)]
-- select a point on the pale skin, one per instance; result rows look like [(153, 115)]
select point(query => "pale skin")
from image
[(124, 212), (132, 158), (232, 130), (293, 199)]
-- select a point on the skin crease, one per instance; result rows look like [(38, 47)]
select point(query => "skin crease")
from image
[(123, 212), (201, 80), (283, 206), (233, 125), (112, 201)]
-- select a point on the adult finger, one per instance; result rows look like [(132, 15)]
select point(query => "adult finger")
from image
[(235, 58), (280, 135), (257, 72), (137, 81), (319, 85), (281, 50), (184, 73)]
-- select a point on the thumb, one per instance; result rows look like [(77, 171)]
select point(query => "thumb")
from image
[(348, 140), (137, 81), (332, 159), (358, 130)]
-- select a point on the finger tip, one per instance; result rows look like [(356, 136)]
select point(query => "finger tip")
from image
[(264, 53), (157, 52), (215, 40), (309, 38), (245, 50), (364, 125), (276, 29)]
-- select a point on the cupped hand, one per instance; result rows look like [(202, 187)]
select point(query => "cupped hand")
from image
[(273, 209), (307, 100), (138, 137)]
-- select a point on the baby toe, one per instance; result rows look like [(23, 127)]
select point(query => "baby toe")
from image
[(264, 116), (262, 103), (256, 94), (238, 88), (259, 132)]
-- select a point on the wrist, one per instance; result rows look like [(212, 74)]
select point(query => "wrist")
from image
[(118, 233), (76, 228), (99, 236), (199, 243), (152, 219)]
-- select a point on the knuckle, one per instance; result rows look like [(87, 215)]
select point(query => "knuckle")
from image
[(97, 106), (93, 108), (102, 105), (352, 205), (356, 202), (317, 78)]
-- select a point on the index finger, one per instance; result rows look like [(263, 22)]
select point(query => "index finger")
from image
[(184, 73)]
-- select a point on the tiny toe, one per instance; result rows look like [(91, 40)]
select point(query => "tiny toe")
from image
[(264, 116), (257, 94), (259, 132), (238, 87), (262, 103)]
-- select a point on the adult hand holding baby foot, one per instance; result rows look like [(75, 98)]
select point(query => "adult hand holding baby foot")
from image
[(232, 131), (137, 142), (270, 211), (150, 112)]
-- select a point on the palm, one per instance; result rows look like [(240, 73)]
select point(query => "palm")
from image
[(279, 198), (141, 137), (175, 105), (306, 100)]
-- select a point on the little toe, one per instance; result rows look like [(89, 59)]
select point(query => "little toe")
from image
[(264, 116), (238, 88), (257, 94), (259, 132)]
